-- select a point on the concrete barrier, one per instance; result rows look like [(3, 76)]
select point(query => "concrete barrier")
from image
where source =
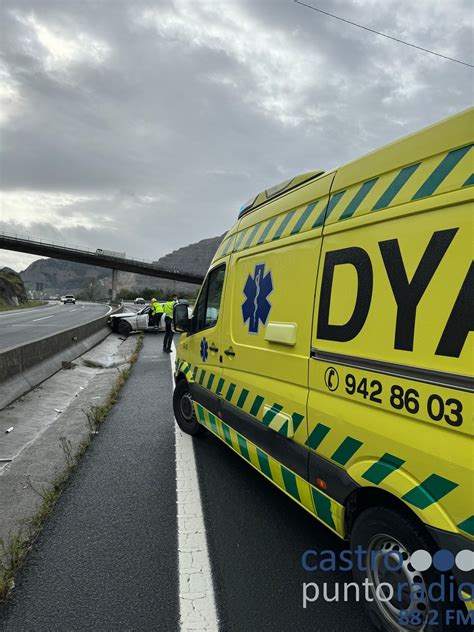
[(25, 366)]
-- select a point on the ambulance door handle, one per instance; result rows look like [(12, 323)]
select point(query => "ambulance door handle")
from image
[(213, 348), (229, 352)]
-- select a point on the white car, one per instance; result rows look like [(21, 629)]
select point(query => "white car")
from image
[(126, 322), (69, 298), (139, 301)]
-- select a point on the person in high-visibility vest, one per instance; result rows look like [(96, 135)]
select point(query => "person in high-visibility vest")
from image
[(168, 310), (156, 312)]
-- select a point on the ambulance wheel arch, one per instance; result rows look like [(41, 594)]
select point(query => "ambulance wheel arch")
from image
[(369, 497), (390, 492)]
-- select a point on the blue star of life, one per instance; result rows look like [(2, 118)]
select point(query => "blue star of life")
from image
[(256, 306), (204, 349)]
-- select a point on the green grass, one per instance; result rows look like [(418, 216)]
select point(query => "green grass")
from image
[(14, 552), (4, 307)]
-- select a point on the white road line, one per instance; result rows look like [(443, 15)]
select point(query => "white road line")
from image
[(44, 318), (197, 604)]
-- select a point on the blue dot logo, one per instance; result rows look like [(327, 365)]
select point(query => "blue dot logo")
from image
[(443, 560)]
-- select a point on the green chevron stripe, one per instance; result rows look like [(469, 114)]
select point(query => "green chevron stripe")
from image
[(201, 414), (230, 392), (244, 451), (264, 463), (210, 380), (358, 198), (297, 419), (201, 377), (322, 506), (228, 245), (227, 437), (429, 491), (252, 235), (268, 228), (379, 471), (467, 525), (316, 437), (289, 480), (239, 240), (242, 398), (257, 404), (346, 450), (213, 422), (400, 179), (304, 216), (470, 181), (186, 369), (271, 413), (441, 172), (195, 370), (287, 219), (220, 386), (334, 199)]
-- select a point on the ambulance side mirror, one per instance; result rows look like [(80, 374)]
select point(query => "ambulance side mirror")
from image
[(181, 317)]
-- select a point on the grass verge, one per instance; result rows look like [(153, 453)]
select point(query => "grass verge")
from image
[(4, 307), (13, 552)]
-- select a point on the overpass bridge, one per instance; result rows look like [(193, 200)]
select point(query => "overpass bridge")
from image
[(92, 257)]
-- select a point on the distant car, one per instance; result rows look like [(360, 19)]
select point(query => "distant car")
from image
[(139, 301), (69, 298)]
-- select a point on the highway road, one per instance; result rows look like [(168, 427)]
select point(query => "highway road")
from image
[(109, 559), (25, 325)]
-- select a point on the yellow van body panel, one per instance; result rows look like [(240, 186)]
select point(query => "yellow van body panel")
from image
[(354, 370)]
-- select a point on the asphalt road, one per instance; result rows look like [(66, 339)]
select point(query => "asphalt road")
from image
[(108, 556), (21, 326)]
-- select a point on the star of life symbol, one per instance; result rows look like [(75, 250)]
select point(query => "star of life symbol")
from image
[(204, 349), (256, 307)]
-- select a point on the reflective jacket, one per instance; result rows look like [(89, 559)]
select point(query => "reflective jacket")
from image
[(168, 308), (157, 308)]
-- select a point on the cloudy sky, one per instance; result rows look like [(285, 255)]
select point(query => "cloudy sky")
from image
[(143, 126)]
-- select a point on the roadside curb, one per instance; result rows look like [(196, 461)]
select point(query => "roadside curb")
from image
[(31, 485)]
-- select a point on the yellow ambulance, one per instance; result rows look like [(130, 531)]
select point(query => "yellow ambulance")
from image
[(330, 347)]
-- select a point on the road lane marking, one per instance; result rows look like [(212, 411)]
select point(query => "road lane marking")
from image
[(197, 605), (44, 318)]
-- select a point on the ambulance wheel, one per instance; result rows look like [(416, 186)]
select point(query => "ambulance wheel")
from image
[(389, 538), (184, 409), (124, 328)]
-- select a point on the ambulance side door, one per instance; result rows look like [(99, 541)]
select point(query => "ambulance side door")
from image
[(204, 343)]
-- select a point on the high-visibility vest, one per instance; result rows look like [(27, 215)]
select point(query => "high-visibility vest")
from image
[(158, 308), (168, 308)]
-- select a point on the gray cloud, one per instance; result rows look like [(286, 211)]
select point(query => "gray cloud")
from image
[(144, 126)]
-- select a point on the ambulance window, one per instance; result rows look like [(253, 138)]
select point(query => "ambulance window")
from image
[(208, 306)]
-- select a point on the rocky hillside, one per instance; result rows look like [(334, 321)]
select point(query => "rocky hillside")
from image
[(12, 289), (62, 277)]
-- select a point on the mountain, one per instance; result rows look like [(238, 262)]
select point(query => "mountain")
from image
[(12, 290), (62, 277)]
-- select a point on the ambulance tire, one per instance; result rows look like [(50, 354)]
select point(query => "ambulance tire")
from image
[(387, 530), (124, 328), (184, 412)]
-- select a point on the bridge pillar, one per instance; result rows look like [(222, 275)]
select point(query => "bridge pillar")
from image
[(114, 285)]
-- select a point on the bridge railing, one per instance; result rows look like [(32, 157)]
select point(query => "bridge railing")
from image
[(90, 251)]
